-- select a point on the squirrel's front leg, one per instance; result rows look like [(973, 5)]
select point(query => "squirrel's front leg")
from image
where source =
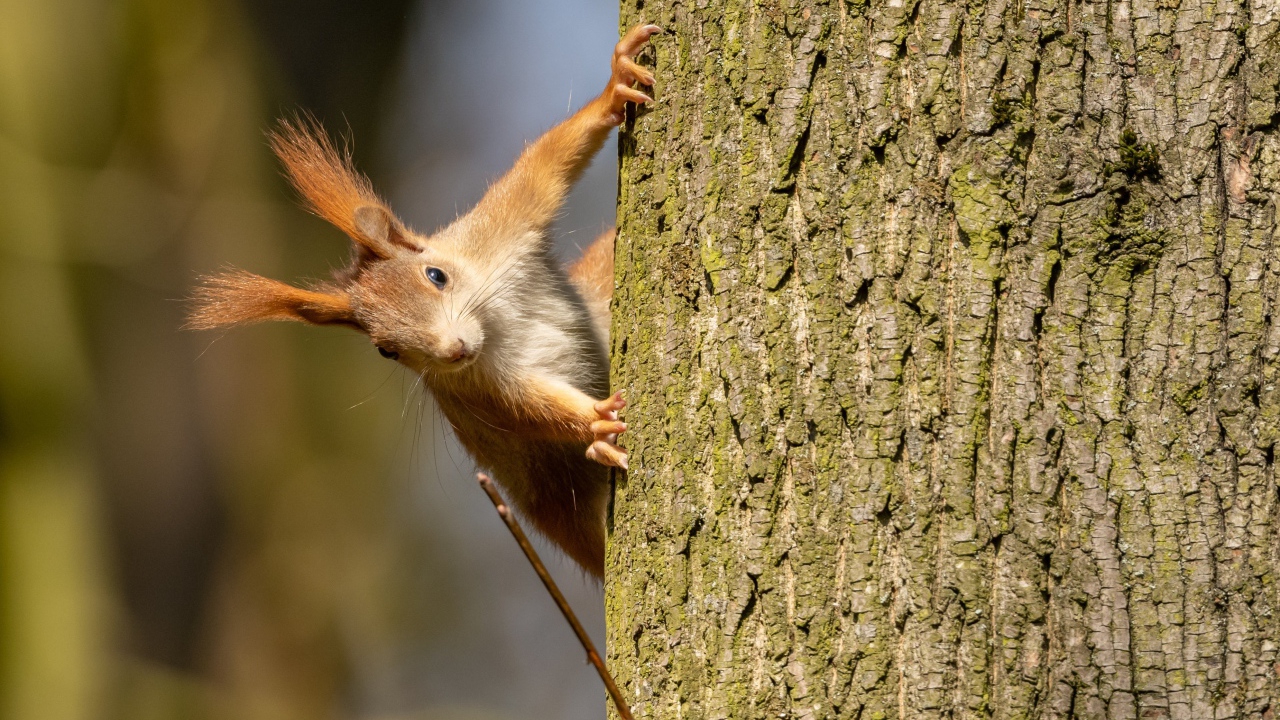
[(606, 427), (554, 410), (527, 199)]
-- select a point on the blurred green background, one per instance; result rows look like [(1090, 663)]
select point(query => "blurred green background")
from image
[(268, 522)]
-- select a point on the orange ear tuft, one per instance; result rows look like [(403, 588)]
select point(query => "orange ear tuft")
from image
[(239, 297), (327, 180)]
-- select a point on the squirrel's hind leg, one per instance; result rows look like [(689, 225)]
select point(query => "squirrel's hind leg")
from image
[(592, 275)]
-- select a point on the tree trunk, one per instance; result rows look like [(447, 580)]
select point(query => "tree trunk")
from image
[(949, 335)]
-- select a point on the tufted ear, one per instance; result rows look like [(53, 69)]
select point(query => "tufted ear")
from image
[(376, 224), (334, 190), (238, 297)]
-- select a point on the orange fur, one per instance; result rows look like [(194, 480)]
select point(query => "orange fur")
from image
[(592, 274), (521, 400), (528, 197), (549, 482), (328, 182), (537, 408), (237, 297)]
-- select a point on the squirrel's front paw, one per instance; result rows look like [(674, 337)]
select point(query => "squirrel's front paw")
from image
[(605, 449), (626, 71)]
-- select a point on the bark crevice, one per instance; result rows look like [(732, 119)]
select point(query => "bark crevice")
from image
[(952, 325)]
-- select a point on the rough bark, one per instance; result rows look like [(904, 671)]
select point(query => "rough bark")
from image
[(949, 330)]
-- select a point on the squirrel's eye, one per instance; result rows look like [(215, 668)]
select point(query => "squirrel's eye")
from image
[(387, 353), (437, 277)]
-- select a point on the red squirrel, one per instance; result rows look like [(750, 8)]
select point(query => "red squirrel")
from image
[(511, 344)]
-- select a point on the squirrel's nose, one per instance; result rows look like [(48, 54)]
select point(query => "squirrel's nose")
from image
[(459, 351)]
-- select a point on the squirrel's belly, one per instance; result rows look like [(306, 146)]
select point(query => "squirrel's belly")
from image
[(551, 484)]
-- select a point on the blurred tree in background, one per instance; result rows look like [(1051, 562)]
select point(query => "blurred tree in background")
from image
[(132, 155), (202, 526)]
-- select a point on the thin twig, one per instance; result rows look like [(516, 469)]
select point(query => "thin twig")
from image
[(504, 512)]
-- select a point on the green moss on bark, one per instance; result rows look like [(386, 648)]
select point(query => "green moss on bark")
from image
[(949, 336)]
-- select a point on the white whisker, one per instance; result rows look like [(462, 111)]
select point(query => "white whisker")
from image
[(416, 384)]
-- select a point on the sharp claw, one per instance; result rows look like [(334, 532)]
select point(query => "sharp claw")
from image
[(611, 404), (608, 427), (637, 73), (607, 454), (632, 94), (635, 38)]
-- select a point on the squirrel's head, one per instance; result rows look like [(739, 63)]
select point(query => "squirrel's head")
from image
[(418, 299)]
